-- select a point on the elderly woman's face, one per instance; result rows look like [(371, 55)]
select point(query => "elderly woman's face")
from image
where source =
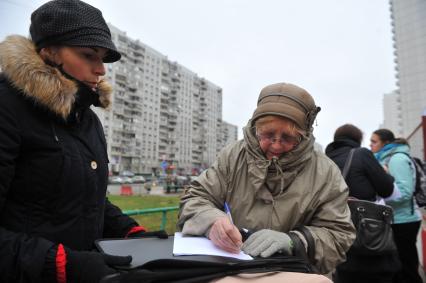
[(83, 63), (376, 143), (276, 137)]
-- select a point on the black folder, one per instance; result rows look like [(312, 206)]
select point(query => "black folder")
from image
[(153, 261), (145, 251)]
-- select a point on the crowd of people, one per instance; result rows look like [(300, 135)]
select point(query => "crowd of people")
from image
[(275, 184), (375, 175)]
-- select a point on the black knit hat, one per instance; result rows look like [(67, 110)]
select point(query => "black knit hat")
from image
[(72, 23)]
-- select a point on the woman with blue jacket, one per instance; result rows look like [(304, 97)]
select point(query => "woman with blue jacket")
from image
[(394, 156)]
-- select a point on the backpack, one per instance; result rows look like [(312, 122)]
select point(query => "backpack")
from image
[(420, 188), (419, 194)]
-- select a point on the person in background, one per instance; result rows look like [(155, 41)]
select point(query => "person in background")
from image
[(395, 158), (53, 156), (276, 185), (367, 180)]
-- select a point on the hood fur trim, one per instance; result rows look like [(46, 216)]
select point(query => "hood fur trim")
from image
[(23, 66)]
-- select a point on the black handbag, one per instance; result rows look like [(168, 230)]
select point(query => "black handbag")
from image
[(374, 235)]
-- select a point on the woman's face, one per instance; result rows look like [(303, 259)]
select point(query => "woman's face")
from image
[(277, 137), (83, 63), (376, 143)]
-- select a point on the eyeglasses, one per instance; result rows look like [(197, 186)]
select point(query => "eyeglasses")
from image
[(283, 140)]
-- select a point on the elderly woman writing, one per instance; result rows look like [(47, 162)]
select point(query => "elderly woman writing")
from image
[(276, 185)]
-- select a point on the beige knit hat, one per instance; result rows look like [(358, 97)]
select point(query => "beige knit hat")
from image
[(289, 101)]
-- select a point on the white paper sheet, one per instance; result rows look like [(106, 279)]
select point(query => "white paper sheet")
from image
[(187, 245)]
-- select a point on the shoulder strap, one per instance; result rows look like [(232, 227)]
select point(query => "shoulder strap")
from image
[(301, 249), (413, 164), (411, 160), (389, 157), (348, 163)]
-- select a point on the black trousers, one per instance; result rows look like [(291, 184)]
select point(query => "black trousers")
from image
[(405, 235)]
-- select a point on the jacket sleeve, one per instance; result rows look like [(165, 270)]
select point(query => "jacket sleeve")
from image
[(381, 181), (331, 226), (400, 167), (21, 257), (203, 202), (116, 223)]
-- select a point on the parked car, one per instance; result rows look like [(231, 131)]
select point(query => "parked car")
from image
[(126, 180), (115, 180), (138, 179), (127, 173), (182, 181)]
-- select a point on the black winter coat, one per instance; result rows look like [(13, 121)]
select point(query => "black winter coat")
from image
[(53, 164), (366, 179)]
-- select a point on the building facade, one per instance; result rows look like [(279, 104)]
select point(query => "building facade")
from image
[(164, 117), (392, 113), (408, 19), (229, 133)]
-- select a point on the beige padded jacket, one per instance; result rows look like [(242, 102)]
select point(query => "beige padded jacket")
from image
[(312, 194)]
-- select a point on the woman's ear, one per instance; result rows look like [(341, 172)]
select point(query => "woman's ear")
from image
[(50, 55)]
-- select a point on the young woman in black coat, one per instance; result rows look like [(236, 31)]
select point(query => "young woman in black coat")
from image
[(53, 158), (367, 180)]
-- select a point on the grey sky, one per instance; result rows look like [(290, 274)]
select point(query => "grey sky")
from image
[(338, 50)]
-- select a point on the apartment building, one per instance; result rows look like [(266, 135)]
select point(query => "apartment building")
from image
[(229, 133), (162, 113), (392, 113), (408, 19)]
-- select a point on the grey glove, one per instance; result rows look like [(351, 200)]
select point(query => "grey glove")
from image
[(268, 242)]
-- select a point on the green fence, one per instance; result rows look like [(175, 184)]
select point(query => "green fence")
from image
[(162, 210)]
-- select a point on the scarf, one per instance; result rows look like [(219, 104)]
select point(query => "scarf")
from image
[(384, 149)]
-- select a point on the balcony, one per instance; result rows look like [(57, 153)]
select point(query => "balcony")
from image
[(118, 110), (163, 129), (173, 115), (138, 54), (175, 78), (121, 78), (164, 112), (132, 88)]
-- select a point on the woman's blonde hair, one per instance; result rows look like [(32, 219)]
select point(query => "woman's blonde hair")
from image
[(292, 126)]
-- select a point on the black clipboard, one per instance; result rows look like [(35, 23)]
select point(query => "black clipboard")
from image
[(146, 252), (153, 261)]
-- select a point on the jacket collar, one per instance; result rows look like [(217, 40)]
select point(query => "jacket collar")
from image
[(390, 149), (335, 148), (45, 84)]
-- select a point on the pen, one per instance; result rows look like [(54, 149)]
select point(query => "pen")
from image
[(228, 212)]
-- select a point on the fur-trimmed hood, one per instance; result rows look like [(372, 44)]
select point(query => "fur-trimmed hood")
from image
[(22, 65)]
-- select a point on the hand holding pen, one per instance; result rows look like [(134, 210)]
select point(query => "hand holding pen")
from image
[(245, 233), (224, 234)]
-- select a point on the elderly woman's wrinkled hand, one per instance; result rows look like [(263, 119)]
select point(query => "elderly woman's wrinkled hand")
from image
[(225, 235), (268, 242)]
